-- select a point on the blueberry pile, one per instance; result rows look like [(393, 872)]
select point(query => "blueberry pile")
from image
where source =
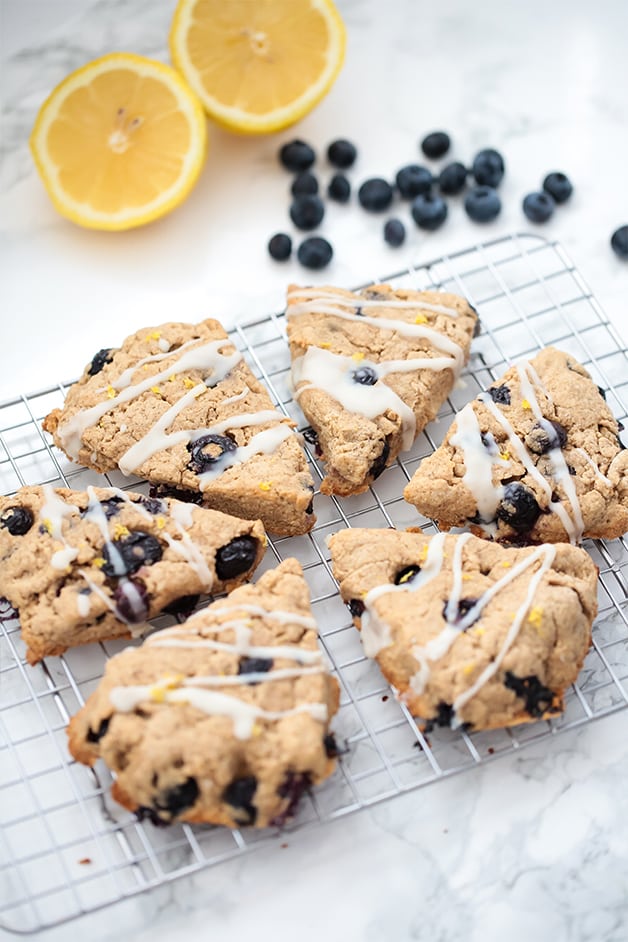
[(540, 205)]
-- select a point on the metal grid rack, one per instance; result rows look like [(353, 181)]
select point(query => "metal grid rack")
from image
[(66, 848)]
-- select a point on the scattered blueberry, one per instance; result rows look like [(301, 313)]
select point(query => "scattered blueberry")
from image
[(413, 180), (356, 607), (315, 252), (207, 450), (339, 188), (236, 557), (558, 186), (429, 211), (538, 699), (341, 154), (379, 464), (307, 212), (488, 167), (280, 247), (541, 438), (436, 144), (292, 788), (482, 204), (406, 574), (254, 665), (131, 601), (619, 242), (366, 376), (103, 356), (452, 178), (500, 395), (137, 549), (17, 520), (95, 735), (375, 195), (305, 184), (518, 507), (394, 233), (538, 207), (297, 156), (239, 794)]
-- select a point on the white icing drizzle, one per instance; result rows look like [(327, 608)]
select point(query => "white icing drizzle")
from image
[(252, 677), (590, 461), (127, 375), (83, 604), (187, 548), (52, 513), (275, 614), (288, 651), (163, 344), (478, 463), (95, 513), (157, 438), (312, 297), (266, 442)]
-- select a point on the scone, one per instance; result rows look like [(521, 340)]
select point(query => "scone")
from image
[(83, 567), (534, 459), (224, 719), (178, 405), (469, 632), (370, 369)]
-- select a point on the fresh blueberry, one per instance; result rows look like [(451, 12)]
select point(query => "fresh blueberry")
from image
[(280, 247), (366, 376), (236, 557), (452, 178), (619, 242), (394, 233), (239, 794), (482, 204), (307, 212), (95, 735), (254, 665), (488, 167), (406, 574), (315, 252), (518, 507), (436, 144), (137, 549), (17, 520), (375, 195), (558, 186), (538, 699), (379, 464), (413, 180), (131, 601), (292, 788), (207, 450), (356, 607), (500, 395), (429, 211), (538, 207), (305, 184), (341, 154), (339, 188), (297, 156), (541, 438), (103, 356)]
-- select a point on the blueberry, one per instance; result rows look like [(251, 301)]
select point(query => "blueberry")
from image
[(131, 601), (538, 699), (488, 167), (602, 392), (341, 154), (406, 574), (435, 145), (305, 184), (98, 361), (379, 464), (339, 188), (178, 493), (332, 751), (153, 505), (499, 394), (171, 802), (366, 376), (518, 507), (307, 212), (137, 549), (453, 178), (413, 180), (111, 506), (445, 714), (315, 252), (482, 204), (292, 788), (375, 195), (538, 207), (183, 606), (280, 247), (239, 794), (394, 233), (97, 735), (464, 606), (541, 438), (429, 211), (207, 450), (17, 520), (297, 156), (619, 242), (236, 557), (254, 665), (356, 607), (558, 186)]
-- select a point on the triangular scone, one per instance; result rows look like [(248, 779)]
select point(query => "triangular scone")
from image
[(178, 405), (535, 459), (370, 369), (469, 632), (224, 719), (90, 566)]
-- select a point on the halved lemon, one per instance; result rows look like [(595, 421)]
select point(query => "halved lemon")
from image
[(258, 65), (120, 142)]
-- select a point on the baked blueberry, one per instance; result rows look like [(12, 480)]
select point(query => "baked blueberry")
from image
[(178, 798), (236, 557), (131, 601), (254, 665), (538, 698), (111, 506), (332, 750), (375, 195), (413, 180), (207, 450), (379, 464), (307, 212), (482, 204), (297, 156), (153, 505), (429, 211), (452, 178), (445, 714), (538, 207), (558, 186), (179, 493), (280, 247), (499, 394), (488, 167), (310, 435), (130, 553), (341, 154), (315, 252), (541, 438), (17, 520), (339, 188), (239, 794), (99, 359), (304, 184), (366, 376), (292, 788), (464, 606), (95, 735), (436, 144), (619, 242), (394, 233), (356, 607), (518, 507), (183, 606), (407, 574)]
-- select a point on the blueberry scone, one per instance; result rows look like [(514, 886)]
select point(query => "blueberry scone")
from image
[(471, 633), (370, 369), (224, 719), (534, 459), (178, 405), (94, 565)]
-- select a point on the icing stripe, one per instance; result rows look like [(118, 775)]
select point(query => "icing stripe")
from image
[(314, 296)]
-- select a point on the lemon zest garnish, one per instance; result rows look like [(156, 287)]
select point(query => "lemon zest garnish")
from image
[(47, 524), (420, 319), (265, 485), (423, 554), (172, 379), (111, 393), (466, 577), (535, 616), (525, 404), (157, 391), (478, 632), (357, 356), (161, 523), (265, 541), (504, 455), (156, 334), (188, 383), (325, 346), (506, 564), (98, 562), (119, 531), (468, 668), (257, 730)]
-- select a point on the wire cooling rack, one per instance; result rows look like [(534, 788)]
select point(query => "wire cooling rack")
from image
[(66, 848)]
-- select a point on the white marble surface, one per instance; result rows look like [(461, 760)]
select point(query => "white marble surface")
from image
[(531, 846)]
